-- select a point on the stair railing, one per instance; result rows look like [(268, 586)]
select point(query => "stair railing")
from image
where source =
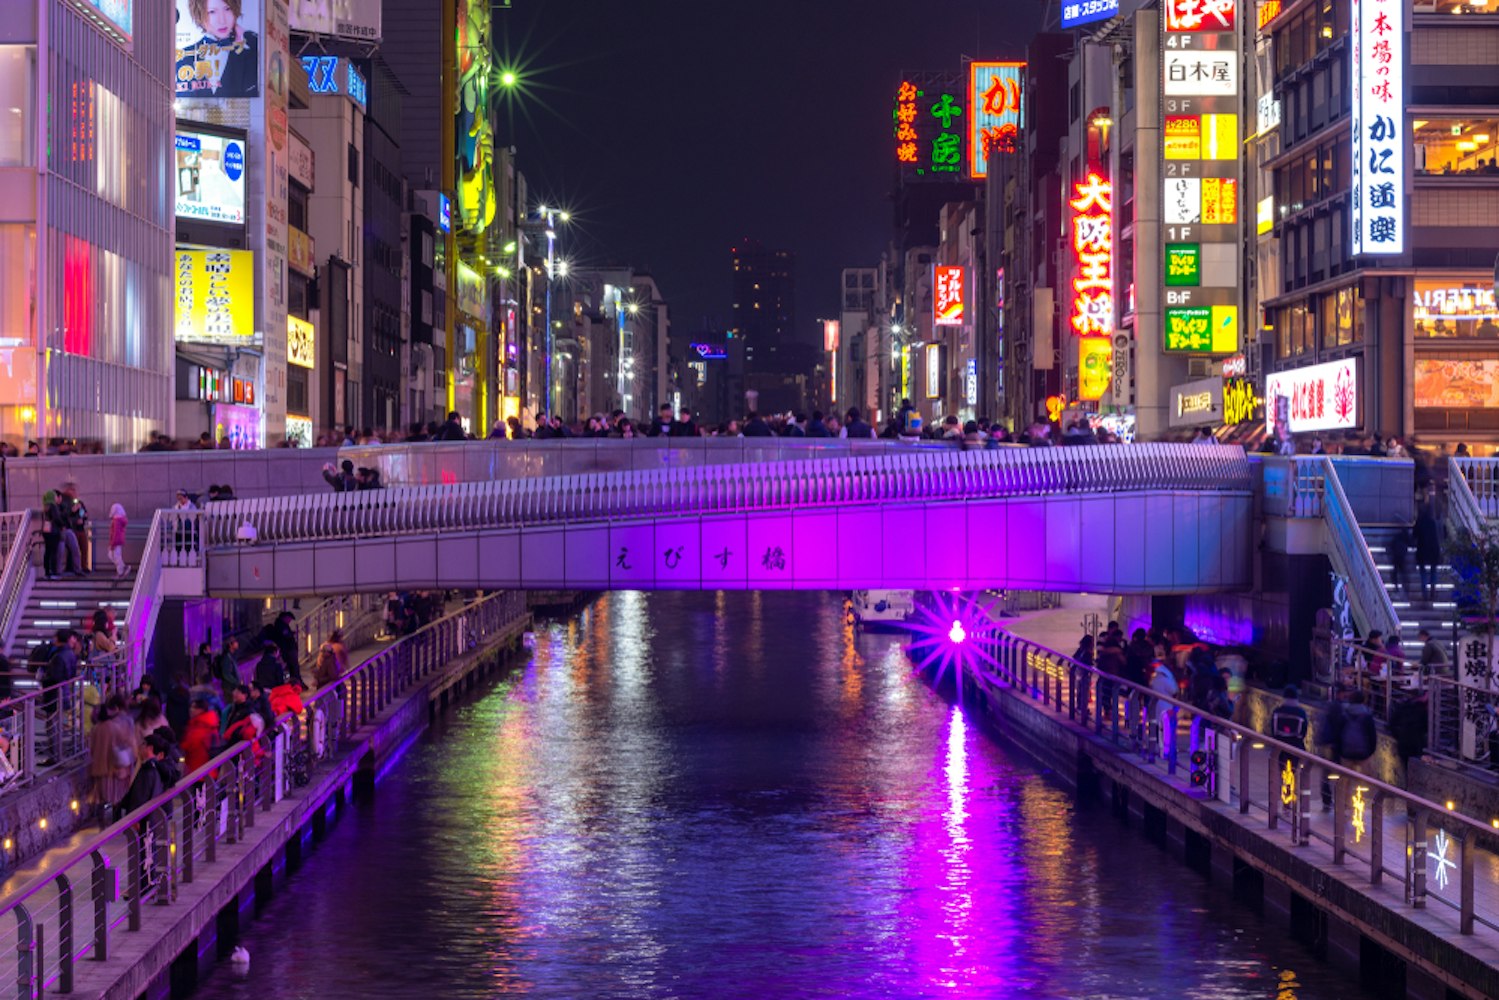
[(1318, 492), (15, 532)]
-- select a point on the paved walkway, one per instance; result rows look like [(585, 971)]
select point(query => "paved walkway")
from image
[(42, 863), (1059, 629)]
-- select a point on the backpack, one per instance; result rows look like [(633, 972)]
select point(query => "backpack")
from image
[(1360, 739)]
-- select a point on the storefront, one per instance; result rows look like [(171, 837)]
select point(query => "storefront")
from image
[(1454, 325)]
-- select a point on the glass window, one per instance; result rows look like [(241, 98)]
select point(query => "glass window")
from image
[(1327, 318), (1454, 309), (1452, 147), (17, 103), (1453, 7), (17, 279)]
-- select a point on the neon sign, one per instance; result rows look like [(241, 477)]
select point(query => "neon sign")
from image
[(1200, 15), (1378, 119), (994, 94), (929, 128), (905, 123), (1075, 12), (1095, 366), (323, 77), (948, 295), (710, 352), (1093, 252)]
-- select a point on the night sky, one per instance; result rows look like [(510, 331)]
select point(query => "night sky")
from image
[(675, 128)]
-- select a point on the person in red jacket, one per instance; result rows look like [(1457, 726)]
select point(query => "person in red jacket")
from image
[(201, 737)]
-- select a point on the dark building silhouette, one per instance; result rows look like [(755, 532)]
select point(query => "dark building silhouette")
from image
[(764, 315)]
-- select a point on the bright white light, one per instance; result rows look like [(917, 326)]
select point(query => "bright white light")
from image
[(957, 634)]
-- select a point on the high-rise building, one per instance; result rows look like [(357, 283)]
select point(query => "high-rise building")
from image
[(385, 299), (86, 243), (1383, 208), (764, 313)]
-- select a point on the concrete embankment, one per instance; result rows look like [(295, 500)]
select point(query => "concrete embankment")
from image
[(1358, 927), (179, 942)]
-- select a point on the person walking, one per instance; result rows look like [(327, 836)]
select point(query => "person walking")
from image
[(1428, 549), (855, 427), (78, 521), (1408, 724), (270, 671), (226, 668), (1357, 737), (201, 737), (57, 514), (284, 637), (117, 524)]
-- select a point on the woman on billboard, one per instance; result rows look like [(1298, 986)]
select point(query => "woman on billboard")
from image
[(225, 60)]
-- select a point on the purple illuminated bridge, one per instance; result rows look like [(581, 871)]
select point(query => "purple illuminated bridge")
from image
[(1156, 519)]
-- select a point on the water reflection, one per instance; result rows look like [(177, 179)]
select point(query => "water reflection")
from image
[(700, 795)]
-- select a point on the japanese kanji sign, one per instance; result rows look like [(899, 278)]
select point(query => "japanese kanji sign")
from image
[(994, 94), (1201, 263), (948, 295), (1319, 397), (929, 126), (1093, 257), (1378, 127)]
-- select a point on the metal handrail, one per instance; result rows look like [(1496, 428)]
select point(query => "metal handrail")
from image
[(1120, 712), (48, 727), (176, 834), (18, 569), (1481, 477), (1462, 505), (934, 475), (146, 597)]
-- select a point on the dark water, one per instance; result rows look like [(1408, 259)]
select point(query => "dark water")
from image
[(699, 795)]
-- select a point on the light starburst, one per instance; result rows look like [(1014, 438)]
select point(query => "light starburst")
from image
[(953, 632), (1445, 865)]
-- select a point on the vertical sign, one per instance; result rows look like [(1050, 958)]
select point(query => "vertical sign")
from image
[(1378, 120), (994, 92), (1200, 174), (1093, 257), (948, 295), (930, 126)]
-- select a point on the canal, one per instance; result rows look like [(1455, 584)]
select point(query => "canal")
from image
[(733, 795)]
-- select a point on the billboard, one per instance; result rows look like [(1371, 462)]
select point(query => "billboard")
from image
[(119, 13), (1317, 398), (210, 177), (994, 94), (477, 200), (336, 75), (1461, 385), (343, 18), (1075, 12), (1196, 404), (301, 343), (949, 294), (1378, 126), (1200, 172), (1093, 257), (1095, 366), (215, 296), (218, 49), (929, 127)]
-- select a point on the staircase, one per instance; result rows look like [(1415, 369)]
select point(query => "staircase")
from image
[(1439, 617), (68, 602)]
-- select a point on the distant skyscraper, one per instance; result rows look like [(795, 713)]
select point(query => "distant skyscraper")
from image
[(765, 306)]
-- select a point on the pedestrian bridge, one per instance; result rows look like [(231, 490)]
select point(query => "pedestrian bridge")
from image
[(1141, 519)]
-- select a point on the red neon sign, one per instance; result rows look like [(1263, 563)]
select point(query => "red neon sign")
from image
[(1093, 252), (947, 295), (905, 123), (1200, 15)]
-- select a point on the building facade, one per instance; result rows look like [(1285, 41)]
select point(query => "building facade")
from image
[(86, 224)]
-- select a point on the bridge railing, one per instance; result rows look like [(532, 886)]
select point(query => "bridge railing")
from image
[(910, 477), (1438, 851), (115, 880), (1317, 492), (16, 539)]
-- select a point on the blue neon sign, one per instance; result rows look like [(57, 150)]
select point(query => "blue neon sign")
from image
[(324, 77), (711, 352), (444, 213), (1075, 12)]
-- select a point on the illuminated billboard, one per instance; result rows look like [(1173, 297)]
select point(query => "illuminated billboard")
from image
[(210, 177), (1095, 367), (1315, 398), (218, 49), (477, 200), (1199, 15), (1378, 126), (1201, 73), (929, 126), (1093, 257), (1075, 12), (994, 95), (215, 296), (336, 75), (301, 343), (117, 16), (1202, 329), (948, 295)]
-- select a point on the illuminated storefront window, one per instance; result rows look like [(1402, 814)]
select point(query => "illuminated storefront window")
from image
[(1456, 147), (1454, 309), (1455, 7)]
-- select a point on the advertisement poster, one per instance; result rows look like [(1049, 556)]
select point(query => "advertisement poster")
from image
[(210, 178), (1457, 385), (1315, 398), (240, 424), (215, 295), (218, 49)]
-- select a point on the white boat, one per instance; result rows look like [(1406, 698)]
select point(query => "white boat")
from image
[(876, 610)]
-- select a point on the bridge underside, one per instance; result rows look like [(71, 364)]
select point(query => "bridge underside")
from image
[(1140, 542)]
